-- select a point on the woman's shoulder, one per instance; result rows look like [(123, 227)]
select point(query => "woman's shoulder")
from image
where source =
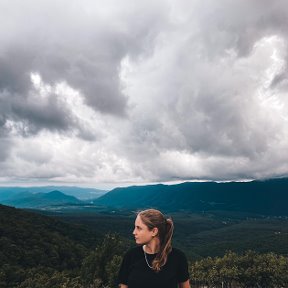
[(134, 251), (133, 255), (175, 252)]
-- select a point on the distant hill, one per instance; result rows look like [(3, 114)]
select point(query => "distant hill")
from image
[(78, 192), (38, 200), (33, 244), (268, 197)]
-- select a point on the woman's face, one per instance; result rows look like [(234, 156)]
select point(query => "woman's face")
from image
[(142, 233)]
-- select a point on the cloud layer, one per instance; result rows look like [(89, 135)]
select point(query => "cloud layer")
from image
[(94, 92)]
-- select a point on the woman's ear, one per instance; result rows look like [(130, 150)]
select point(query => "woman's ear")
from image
[(154, 231)]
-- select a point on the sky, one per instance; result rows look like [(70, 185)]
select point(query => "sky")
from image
[(112, 93)]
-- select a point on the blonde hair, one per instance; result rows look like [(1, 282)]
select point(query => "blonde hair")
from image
[(154, 218)]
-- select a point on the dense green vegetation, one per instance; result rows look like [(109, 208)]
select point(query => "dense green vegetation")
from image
[(247, 270), (31, 244), (200, 235), (98, 269), (79, 250)]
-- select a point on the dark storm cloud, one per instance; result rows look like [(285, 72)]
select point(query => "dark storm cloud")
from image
[(167, 90), (5, 145), (81, 44), (217, 114)]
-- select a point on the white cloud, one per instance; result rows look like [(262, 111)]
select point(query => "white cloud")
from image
[(97, 92)]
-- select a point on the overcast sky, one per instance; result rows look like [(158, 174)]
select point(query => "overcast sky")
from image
[(109, 93)]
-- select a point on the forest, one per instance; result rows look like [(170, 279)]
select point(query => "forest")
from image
[(48, 251)]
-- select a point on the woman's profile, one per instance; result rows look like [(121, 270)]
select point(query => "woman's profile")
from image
[(153, 263)]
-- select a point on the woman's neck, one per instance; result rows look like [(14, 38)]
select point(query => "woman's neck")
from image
[(152, 247)]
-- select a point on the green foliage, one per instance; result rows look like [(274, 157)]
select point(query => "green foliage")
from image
[(103, 263), (34, 247), (199, 235), (214, 233), (247, 270), (41, 252)]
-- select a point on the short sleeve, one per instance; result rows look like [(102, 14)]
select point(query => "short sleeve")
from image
[(124, 270), (182, 269)]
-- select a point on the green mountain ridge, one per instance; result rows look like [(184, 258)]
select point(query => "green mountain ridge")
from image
[(38, 200), (79, 192), (261, 197), (29, 240), (41, 251)]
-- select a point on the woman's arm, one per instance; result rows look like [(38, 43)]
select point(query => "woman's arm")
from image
[(123, 286), (185, 284)]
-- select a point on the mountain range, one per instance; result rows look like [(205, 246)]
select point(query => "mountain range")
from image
[(39, 200), (80, 192), (269, 197)]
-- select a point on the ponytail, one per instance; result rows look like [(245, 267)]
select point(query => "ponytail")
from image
[(165, 247)]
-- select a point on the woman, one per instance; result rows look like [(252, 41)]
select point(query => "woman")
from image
[(154, 263)]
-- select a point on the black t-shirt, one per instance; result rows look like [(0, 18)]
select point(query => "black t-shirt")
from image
[(135, 273)]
